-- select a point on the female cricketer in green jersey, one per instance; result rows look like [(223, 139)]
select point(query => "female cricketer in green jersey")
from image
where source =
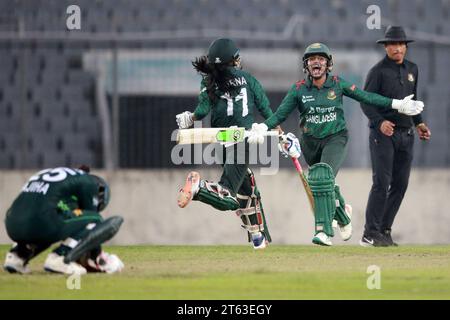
[(62, 205), (324, 134), (231, 95)]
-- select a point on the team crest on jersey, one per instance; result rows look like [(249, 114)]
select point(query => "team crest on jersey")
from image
[(410, 77), (218, 60), (331, 95)]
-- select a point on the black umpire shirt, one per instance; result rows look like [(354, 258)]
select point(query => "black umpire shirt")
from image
[(394, 81)]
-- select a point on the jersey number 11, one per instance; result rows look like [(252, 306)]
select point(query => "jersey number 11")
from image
[(230, 103)]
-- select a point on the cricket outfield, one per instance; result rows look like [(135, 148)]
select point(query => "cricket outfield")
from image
[(239, 272)]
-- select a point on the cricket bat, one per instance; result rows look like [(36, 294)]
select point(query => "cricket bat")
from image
[(304, 182), (214, 135)]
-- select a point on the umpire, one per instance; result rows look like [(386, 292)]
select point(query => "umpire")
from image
[(391, 137)]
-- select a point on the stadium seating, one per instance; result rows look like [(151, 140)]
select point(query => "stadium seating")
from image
[(46, 83)]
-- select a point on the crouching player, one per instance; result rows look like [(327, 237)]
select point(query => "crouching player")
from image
[(62, 204)]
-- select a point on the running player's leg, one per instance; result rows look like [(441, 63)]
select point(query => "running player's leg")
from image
[(321, 181), (213, 193), (220, 195), (251, 212), (334, 153), (343, 215)]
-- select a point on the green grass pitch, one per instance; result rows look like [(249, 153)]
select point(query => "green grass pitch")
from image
[(239, 272)]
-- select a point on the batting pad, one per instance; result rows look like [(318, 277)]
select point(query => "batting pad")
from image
[(341, 216), (321, 182)]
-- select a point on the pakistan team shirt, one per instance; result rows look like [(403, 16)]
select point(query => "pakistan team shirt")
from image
[(62, 189), (321, 110)]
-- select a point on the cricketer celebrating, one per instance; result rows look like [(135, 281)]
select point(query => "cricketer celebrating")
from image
[(324, 134), (62, 204), (231, 95)]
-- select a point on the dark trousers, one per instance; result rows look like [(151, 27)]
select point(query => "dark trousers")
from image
[(237, 178), (391, 165)]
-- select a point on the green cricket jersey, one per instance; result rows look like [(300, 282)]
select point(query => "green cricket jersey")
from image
[(237, 108), (62, 189), (321, 110)]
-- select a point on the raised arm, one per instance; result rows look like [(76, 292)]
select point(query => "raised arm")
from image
[(289, 103), (406, 105), (352, 91)]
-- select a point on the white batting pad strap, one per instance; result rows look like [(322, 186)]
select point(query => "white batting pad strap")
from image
[(253, 228), (246, 211), (242, 197)]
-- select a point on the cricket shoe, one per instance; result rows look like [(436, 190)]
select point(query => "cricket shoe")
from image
[(55, 263), (15, 264), (374, 240), (189, 190), (346, 231), (259, 241), (322, 239), (388, 238)]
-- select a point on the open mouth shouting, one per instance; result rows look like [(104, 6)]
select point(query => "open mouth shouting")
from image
[(317, 70)]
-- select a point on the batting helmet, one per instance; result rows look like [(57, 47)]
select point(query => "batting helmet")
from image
[(222, 51), (103, 194), (318, 49)]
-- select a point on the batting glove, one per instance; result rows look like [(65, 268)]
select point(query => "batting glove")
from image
[(408, 106), (185, 120), (289, 146), (257, 133)]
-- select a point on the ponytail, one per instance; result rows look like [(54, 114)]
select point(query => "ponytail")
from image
[(216, 76)]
